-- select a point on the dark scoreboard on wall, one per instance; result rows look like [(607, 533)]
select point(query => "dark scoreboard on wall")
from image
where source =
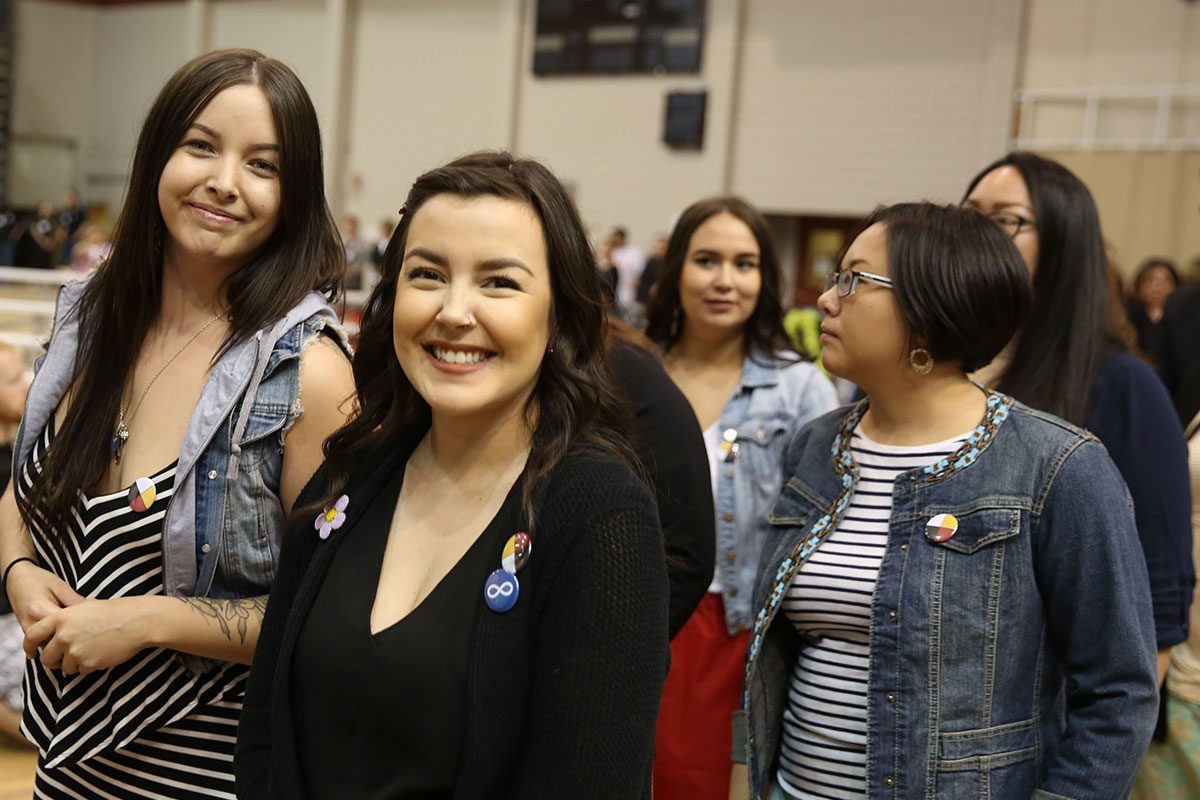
[(606, 37)]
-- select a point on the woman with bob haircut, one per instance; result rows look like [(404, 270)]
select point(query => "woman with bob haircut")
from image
[(954, 583), (475, 602), (1069, 359), (166, 435), (717, 315)]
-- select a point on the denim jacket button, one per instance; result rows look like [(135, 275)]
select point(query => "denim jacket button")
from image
[(733, 592), (212, 474), (731, 556), (892, 614), (889, 781), (891, 698), (205, 548), (727, 516), (903, 548)]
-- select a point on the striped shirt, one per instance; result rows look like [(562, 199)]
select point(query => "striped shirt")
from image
[(146, 728), (823, 753)]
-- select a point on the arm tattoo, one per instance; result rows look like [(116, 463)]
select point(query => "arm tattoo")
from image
[(230, 614)]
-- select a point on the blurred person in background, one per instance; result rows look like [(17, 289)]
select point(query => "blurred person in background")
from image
[(358, 252), (652, 271), (70, 218), (1155, 281), (9, 233), (1069, 360), (718, 316), (14, 386), (629, 261), (40, 240), (91, 248), (181, 405)]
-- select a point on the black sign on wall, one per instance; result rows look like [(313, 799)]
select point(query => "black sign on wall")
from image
[(581, 37)]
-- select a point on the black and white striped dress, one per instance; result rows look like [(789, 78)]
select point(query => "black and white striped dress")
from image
[(147, 728), (823, 754)]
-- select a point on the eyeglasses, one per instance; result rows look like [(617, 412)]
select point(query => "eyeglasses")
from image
[(1012, 224), (846, 281)]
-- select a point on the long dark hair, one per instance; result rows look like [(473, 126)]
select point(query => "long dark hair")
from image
[(1070, 330), (573, 398), (764, 330), (123, 299)]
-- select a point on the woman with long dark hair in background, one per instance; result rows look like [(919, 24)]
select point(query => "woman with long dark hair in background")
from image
[(179, 409), (474, 605), (717, 313), (1069, 360)]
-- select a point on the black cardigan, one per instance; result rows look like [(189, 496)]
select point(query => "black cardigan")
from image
[(671, 445), (562, 690)]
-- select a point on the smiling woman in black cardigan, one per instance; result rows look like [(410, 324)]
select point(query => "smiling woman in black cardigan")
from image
[(474, 602)]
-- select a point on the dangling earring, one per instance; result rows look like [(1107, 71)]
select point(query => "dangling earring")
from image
[(920, 361), (553, 339)]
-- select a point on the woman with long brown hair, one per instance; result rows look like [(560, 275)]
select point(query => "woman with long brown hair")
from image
[(476, 606), (179, 408)]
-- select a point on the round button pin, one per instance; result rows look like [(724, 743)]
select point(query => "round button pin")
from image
[(501, 591), (516, 552), (142, 495), (941, 528)]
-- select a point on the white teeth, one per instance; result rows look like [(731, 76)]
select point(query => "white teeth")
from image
[(458, 356)]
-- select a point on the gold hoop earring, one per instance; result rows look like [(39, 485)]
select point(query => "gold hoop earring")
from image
[(920, 361)]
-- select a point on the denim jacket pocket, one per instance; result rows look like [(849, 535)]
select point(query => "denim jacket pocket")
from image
[(257, 442), (761, 441), (992, 763), (982, 528)]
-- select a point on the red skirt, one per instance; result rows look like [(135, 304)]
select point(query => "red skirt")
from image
[(694, 740)]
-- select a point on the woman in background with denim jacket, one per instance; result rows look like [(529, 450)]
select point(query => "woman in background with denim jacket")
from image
[(166, 436), (717, 312), (954, 603)]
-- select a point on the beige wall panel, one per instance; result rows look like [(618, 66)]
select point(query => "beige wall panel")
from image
[(1080, 43), (431, 81), (845, 105), (1149, 203), (293, 31), (604, 135), (138, 47)]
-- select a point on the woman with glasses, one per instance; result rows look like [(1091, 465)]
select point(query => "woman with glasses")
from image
[(717, 314), (1069, 360), (952, 582)]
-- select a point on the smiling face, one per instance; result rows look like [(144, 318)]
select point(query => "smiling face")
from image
[(721, 280), (219, 192), (1003, 195), (864, 337), (473, 302)]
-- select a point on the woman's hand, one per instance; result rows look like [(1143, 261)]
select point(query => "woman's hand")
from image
[(739, 783), (90, 635), (36, 593)]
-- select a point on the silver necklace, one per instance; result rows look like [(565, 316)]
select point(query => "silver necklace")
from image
[(122, 433)]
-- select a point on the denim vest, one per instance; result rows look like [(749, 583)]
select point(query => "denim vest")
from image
[(769, 405), (1015, 659), (222, 529)]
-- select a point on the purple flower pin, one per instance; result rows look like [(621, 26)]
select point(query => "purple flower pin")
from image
[(332, 518)]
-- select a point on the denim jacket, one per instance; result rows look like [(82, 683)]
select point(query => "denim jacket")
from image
[(222, 529), (766, 409), (1016, 659)]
